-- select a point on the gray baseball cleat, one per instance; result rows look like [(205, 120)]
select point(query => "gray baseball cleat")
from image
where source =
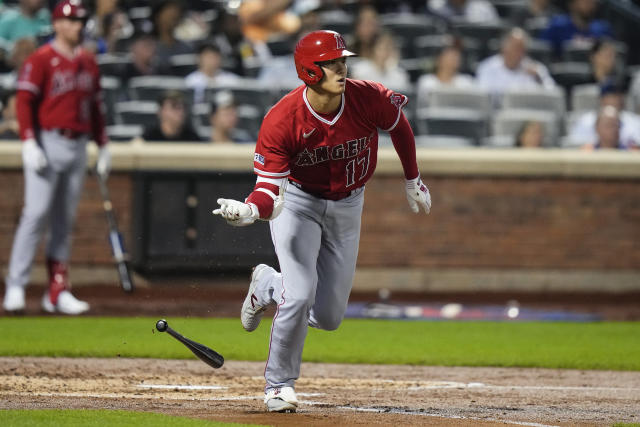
[(281, 399), (251, 313)]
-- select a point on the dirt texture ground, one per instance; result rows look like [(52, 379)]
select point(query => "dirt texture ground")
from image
[(330, 394)]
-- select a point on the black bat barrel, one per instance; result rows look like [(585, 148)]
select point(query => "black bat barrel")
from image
[(204, 353)]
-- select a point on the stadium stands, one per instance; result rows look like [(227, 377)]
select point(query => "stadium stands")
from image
[(136, 112), (456, 122), (508, 122), (420, 36)]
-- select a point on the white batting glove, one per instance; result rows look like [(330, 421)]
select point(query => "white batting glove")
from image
[(418, 195), (33, 156), (103, 164), (237, 213)]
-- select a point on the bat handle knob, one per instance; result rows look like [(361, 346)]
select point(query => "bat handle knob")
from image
[(162, 325)]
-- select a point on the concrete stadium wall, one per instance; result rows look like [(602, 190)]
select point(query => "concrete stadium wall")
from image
[(541, 220)]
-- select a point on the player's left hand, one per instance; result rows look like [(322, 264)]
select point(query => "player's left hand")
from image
[(103, 164), (418, 195), (237, 213)]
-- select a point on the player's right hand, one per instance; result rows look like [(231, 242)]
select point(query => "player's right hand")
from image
[(237, 213), (33, 156)]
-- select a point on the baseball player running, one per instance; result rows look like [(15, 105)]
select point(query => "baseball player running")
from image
[(320, 143), (58, 105)]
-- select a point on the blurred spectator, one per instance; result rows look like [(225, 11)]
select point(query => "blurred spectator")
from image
[(192, 26), (603, 62), (21, 50), (224, 120), (30, 19), (9, 122), (535, 10), (277, 72), (468, 11), (209, 72), (172, 121), (310, 20), (446, 73), (262, 19), (579, 25), (366, 30), (240, 55), (608, 126), (166, 16), (611, 95), (383, 66), (531, 135), (634, 93), (106, 27), (144, 61), (512, 67), (238, 52)]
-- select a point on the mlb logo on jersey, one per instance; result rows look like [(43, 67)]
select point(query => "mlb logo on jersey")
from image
[(258, 158)]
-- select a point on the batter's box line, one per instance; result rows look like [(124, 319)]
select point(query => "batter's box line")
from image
[(421, 412), (519, 387), (135, 396), (182, 387)]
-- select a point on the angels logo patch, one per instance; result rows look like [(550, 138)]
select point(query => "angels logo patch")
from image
[(397, 100)]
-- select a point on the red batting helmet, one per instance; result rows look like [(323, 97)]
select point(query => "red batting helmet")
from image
[(315, 47), (69, 9)]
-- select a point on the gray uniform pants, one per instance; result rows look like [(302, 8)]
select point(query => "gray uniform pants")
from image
[(50, 196), (316, 241)]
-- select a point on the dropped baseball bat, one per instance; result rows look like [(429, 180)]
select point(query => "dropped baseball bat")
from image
[(204, 353), (115, 238)]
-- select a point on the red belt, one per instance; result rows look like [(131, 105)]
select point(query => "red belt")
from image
[(327, 196), (70, 133)]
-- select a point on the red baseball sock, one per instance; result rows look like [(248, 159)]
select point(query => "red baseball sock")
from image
[(57, 279)]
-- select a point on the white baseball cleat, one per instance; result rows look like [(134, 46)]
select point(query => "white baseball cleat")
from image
[(251, 313), (14, 299), (67, 304), (281, 399)]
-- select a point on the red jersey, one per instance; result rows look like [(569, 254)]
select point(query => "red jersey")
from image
[(56, 91), (327, 156)]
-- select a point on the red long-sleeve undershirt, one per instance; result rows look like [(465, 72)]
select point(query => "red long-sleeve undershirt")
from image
[(26, 113), (405, 144)]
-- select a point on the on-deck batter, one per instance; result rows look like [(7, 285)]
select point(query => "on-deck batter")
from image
[(322, 140), (59, 105)]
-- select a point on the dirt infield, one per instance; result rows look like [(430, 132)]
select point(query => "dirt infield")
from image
[(330, 394)]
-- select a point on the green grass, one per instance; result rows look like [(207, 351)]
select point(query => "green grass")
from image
[(605, 345), (99, 418)]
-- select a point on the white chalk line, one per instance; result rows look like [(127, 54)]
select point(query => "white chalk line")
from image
[(445, 385), (182, 387), (453, 417), (141, 396)]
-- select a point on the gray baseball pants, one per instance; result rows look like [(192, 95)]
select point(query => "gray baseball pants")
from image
[(50, 196), (316, 241)]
